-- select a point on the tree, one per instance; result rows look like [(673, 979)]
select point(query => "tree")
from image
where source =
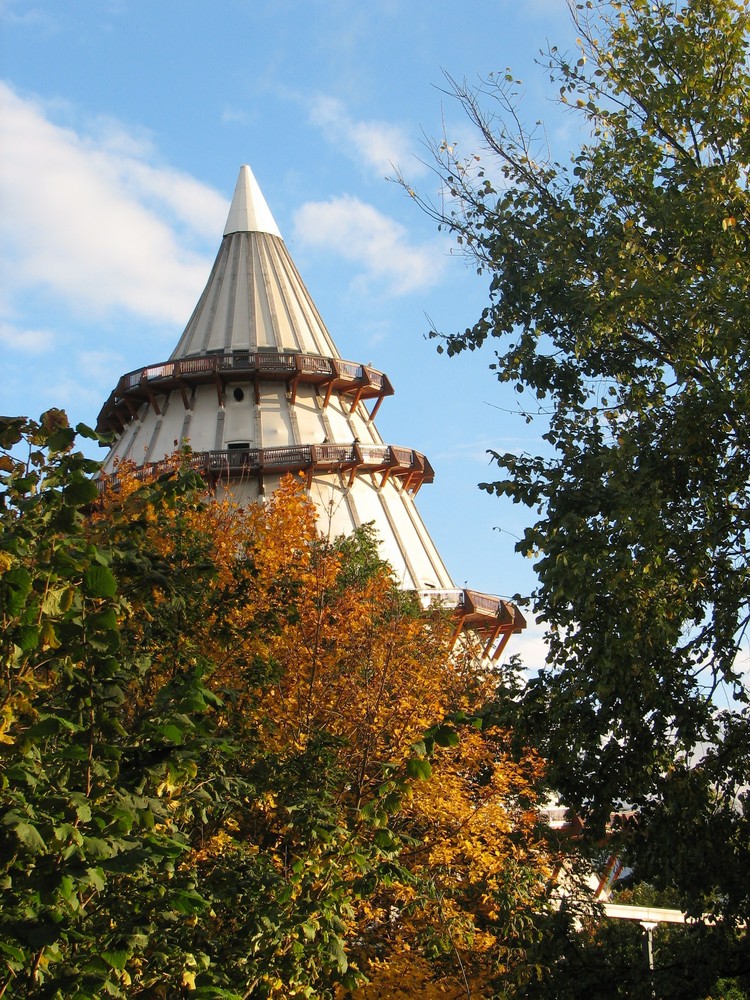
[(618, 306), (603, 958), (235, 759)]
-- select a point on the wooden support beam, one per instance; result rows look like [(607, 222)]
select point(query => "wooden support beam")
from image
[(490, 642), (152, 400), (502, 644), (184, 393), (457, 631), (357, 397), (358, 462), (375, 408), (606, 877)]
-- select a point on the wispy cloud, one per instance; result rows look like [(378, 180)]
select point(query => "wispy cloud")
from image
[(24, 340), (24, 15), (381, 146), (530, 645), (380, 245), (98, 365), (88, 217), (234, 116)]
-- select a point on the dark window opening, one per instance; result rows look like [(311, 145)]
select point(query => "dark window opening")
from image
[(237, 461)]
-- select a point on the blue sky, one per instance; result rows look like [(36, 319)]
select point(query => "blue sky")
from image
[(123, 127)]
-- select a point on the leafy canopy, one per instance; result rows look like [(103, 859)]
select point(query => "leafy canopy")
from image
[(618, 307), (236, 760)]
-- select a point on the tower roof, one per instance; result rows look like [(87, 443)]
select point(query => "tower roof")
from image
[(255, 299), (249, 212)]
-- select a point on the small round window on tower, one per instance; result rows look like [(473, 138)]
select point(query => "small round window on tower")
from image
[(238, 394)]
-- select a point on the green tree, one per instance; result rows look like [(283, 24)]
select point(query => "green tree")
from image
[(619, 307), (602, 958)]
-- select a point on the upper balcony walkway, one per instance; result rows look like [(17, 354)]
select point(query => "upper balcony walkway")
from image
[(409, 467), (328, 375)]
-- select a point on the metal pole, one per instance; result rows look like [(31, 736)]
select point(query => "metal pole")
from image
[(648, 950)]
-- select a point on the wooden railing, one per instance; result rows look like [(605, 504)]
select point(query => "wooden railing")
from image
[(328, 375), (411, 468), (453, 598), (492, 620)]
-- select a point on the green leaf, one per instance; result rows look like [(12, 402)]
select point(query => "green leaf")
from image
[(98, 581), (95, 878), (116, 959), (173, 732), (13, 952), (26, 832), (82, 492), (336, 947), (418, 767), (15, 587), (104, 621), (11, 431), (83, 430), (61, 439), (309, 929), (188, 902), (67, 887), (51, 725), (446, 736), (98, 847), (83, 809), (27, 638), (57, 600), (387, 840)]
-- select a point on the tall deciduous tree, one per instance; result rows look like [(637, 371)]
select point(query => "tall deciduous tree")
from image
[(619, 306), (235, 760)]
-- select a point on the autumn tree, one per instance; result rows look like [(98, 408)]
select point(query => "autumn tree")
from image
[(235, 759), (618, 308)]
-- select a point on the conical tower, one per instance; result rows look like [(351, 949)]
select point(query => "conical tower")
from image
[(258, 389)]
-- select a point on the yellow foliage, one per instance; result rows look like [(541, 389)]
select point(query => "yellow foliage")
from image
[(303, 655)]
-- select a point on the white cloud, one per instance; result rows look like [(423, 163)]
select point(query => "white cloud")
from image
[(27, 341), (234, 116), (530, 645), (98, 365), (380, 245), (381, 145), (24, 16), (87, 217)]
